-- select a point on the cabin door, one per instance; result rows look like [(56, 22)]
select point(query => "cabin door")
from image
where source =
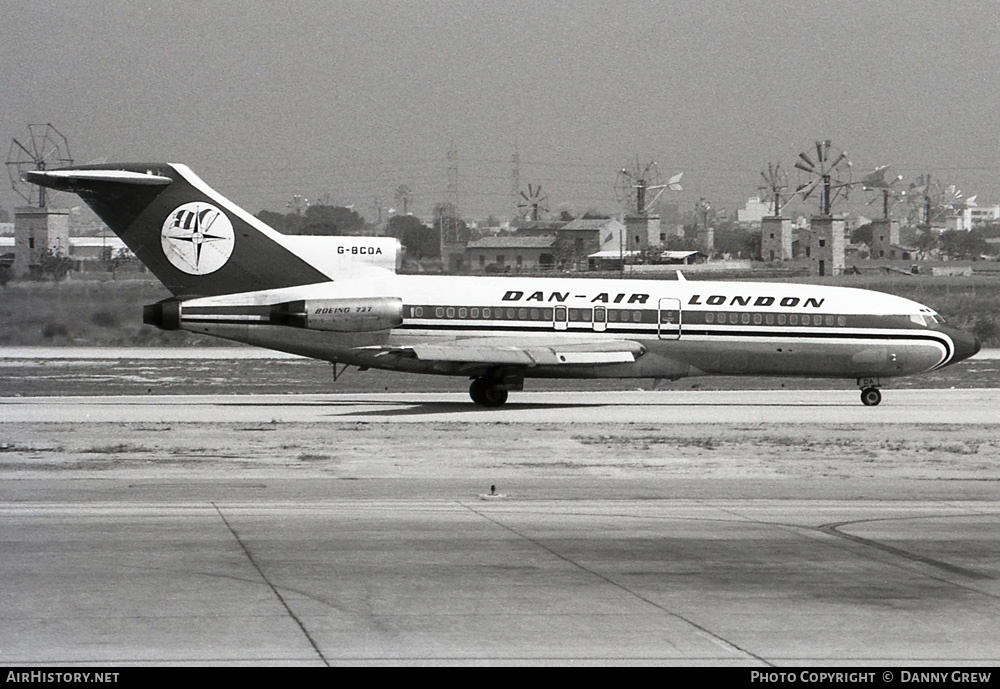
[(670, 319), (560, 318), (600, 319)]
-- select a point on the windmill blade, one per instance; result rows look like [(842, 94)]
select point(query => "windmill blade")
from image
[(807, 166), (842, 156), (673, 184), (806, 189), (875, 179), (823, 151)]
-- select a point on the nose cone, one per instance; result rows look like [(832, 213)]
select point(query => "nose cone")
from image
[(966, 344)]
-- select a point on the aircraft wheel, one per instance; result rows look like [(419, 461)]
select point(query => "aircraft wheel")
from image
[(870, 397), (486, 394)]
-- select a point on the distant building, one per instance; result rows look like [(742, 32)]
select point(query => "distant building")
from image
[(828, 245), (95, 248), (512, 254), (885, 236), (611, 259), (972, 217), (577, 239), (776, 239), (37, 231), (754, 211), (643, 232)]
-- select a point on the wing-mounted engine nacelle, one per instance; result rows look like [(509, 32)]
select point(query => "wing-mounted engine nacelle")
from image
[(364, 314)]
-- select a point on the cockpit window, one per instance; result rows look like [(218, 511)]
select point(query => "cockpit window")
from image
[(919, 320)]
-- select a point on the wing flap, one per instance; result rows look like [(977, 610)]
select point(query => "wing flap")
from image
[(568, 354)]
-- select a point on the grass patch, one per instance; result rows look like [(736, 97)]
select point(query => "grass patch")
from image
[(46, 313), (306, 457), (120, 448)]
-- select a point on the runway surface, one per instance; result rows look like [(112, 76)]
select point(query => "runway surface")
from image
[(217, 579), (970, 406), (772, 528)]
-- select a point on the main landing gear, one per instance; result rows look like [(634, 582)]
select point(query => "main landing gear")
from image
[(487, 393), (870, 397)]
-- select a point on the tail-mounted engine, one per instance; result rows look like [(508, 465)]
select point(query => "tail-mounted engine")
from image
[(360, 315)]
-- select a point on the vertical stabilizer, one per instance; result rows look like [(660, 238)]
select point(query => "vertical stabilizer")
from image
[(193, 239)]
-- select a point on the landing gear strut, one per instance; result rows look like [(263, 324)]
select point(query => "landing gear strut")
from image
[(487, 392), (870, 397)]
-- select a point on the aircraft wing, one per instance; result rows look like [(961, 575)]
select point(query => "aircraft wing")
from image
[(510, 353)]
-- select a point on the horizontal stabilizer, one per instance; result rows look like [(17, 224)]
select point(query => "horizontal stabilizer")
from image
[(69, 179)]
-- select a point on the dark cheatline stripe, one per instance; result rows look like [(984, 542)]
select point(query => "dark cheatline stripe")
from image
[(930, 336)]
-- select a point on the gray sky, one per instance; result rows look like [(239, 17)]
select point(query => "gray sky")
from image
[(266, 100)]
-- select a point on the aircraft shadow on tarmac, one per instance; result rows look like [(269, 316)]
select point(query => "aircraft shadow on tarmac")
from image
[(430, 407)]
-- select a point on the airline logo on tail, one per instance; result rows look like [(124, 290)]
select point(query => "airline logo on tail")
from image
[(197, 238)]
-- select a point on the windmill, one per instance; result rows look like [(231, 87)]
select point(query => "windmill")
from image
[(774, 181), (876, 181), (532, 208), (45, 147), (403, 198), (827, 170), (634, 184), (929, 201)]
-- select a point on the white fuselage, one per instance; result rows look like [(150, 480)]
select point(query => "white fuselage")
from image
[(686, 327)]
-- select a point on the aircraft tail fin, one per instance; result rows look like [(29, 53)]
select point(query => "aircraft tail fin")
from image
[(193, 239)]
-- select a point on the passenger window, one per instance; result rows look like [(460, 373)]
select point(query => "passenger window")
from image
[(462, 313), (769, 319), (710, 318), (600, 314), (534, 314), (637, 316), (418, 311), (486, 313), (733, 318), (757, 319), (451, 312), (841, 320), (474, 313), (745, 318), (510, 314), (793, 319), (829, 320), (522, 314), (439, 312)]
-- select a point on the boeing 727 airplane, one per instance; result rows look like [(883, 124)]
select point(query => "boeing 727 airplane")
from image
[(341, 300)]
